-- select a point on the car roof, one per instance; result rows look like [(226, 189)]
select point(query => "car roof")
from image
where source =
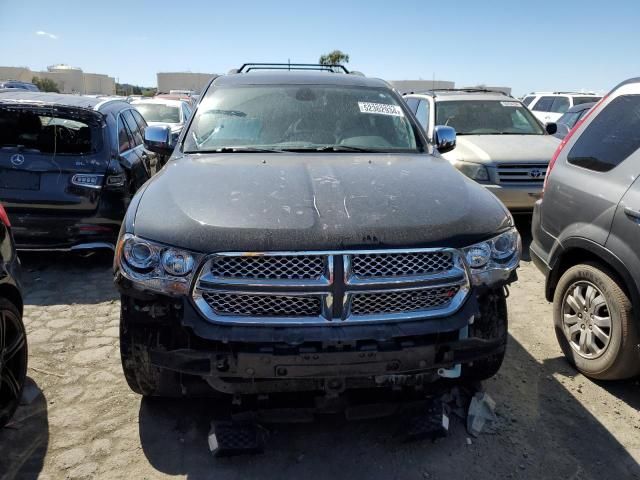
[(160, 101), (286, 77), (450, 95), (68, 100)]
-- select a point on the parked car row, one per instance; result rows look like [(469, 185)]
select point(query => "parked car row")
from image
[(314, 231)]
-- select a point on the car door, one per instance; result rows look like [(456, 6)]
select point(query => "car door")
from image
[(128, 154), (148, 161), (542, 108)]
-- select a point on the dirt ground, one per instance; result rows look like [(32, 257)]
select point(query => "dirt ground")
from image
[(86, 423)]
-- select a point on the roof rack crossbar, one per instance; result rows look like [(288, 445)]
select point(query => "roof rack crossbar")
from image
[(247, 67)]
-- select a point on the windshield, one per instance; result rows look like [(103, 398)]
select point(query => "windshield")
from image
[(157, 112), (301, 117), (487, 117), (57, 134), (582, 100)]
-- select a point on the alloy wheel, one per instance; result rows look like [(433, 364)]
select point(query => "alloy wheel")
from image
[(586, 319)]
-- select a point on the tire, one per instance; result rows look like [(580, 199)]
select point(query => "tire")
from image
[(13, 368), (619, 357), (143, 378), (492, 324)]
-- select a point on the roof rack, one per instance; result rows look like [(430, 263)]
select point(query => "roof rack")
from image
[(333, 67), (433, 91)]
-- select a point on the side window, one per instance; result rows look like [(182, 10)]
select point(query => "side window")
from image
[(187, 111), (142, 124), (611, 137), (413, 103), (133, 127), (527, 100), (560, 105), (125, 142), (543, 104), (422, 114)]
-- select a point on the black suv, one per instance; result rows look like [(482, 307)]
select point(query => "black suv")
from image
[(585, 237), (69, 166), (13, 340), (304, 236)]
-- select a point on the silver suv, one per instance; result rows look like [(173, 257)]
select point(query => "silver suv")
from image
[(585, 237), (499, 145)]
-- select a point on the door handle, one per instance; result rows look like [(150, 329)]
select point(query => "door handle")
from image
[(631, 213)]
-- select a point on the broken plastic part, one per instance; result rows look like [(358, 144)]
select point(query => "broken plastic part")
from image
[(481, 413)]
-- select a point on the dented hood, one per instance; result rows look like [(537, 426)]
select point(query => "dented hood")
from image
[(293, 201)]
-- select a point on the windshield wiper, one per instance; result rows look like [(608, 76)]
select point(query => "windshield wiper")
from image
[(329, 148), (234, 113), (237, 150)]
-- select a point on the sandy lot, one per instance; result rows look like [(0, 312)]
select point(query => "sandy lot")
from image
[(553, 422)]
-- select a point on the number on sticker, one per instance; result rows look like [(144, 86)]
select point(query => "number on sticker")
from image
[(381, 109)]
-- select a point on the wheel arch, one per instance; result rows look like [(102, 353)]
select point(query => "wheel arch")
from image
[(12, 294), (579, 250)]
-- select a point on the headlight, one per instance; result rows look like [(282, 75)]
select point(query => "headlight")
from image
[(494, 259), (156, 267), (475, 171)]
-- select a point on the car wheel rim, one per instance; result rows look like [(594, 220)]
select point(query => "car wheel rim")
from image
[(586, 319), (13, 362)]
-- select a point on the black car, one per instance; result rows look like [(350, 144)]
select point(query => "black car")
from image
[(570, 118), (304, 236), (69, 166), (13, 339), (18, 85)]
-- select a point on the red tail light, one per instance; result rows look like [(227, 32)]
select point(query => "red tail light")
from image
[(4, 218), (565, 140)]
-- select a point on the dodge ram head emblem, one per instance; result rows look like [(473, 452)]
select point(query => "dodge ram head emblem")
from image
[(17, 159), (535, 173)]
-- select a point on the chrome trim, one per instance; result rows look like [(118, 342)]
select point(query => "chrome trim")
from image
[(81, 246), (326, 288), (99, 176)]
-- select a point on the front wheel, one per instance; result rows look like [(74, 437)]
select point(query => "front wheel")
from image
[(13, 360), (594, 323)]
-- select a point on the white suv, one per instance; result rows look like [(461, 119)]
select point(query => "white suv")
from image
[(549, 106)]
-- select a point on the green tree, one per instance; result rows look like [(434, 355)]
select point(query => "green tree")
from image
[(337, 57), (45, 84)]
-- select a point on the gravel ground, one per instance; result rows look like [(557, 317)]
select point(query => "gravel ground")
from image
[(553, 422)]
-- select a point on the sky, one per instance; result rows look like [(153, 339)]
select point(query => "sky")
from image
[(541, 45)]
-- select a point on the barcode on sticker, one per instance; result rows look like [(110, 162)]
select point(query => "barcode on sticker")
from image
[(381, 109), (510, 104)]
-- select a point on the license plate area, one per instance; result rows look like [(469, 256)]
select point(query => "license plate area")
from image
[(19, 180)]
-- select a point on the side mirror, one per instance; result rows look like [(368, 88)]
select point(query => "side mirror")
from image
[(157, 138), (444, 138), (551, 128)]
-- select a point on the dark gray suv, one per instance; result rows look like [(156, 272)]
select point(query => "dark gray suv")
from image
[(586, 233)]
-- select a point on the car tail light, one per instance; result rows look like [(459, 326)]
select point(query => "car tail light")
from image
[(566, 139), (4, 218)]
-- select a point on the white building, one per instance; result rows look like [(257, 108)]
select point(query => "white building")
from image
[(69, 79), (168, 81)]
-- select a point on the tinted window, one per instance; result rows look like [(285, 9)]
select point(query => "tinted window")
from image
[(569, 119), (581, 100), (140, 121), (611, 137), (422, 114), (413, 103), (125, 141), (544, 104), (487, 117), (527, 101), (158, 112), (302, 117), (133, 127), (560, 105)]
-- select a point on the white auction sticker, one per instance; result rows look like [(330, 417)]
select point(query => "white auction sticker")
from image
[(381, 109), (510, 104)]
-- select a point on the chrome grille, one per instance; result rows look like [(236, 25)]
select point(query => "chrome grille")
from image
[(263, 305), (522, 173), (318, 287), (402, 301), (400, 264), (273, 267)]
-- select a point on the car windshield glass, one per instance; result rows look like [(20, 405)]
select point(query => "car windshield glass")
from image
[(33, 131), (301, 117), (569, 118), (487, 117), (157, 112)]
